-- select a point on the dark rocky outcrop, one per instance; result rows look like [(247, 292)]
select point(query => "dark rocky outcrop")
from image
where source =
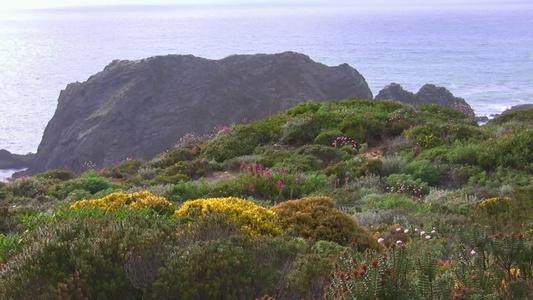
[(517, 107), (428, 94), (9, 160), (140, 108)]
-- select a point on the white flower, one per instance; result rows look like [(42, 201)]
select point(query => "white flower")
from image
[(416, 229), (428, 237), (473, 252), (433, 231), (406, 231), (381, 240), (422, 232), (398, 229), (399, 242)]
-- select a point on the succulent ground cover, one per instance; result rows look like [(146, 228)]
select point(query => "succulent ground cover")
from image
[(351, 199)]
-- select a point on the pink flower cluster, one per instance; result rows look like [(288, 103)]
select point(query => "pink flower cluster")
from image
[(342, 141), (411, 189), (256, 170)]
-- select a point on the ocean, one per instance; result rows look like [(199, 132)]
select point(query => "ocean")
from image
[(484, 56)]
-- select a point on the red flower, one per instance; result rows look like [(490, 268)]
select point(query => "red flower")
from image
[(374, 262)]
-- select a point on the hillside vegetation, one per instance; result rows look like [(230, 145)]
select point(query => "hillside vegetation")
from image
[(351, 199)]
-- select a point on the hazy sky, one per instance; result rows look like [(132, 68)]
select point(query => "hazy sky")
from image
[(420, 4)]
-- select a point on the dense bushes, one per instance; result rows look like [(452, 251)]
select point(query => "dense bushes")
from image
[(318, 219), (138, 200), (81, 257), (241, 141), (411, 175), (250, 218), (510, 149)]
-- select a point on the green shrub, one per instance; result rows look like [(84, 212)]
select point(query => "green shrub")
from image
[(90, 182), (465, 154), (318, 219), (354, 168), (192, 169), (519, 116), (393, 164), (393, 200), (166, 179), (508, 150), (188, 190), (424, 170), (208, 270), (243, 267), (326, 137), (241, 141), (82, 257), (27, 187), (147, 173), (427, 135), (326, 154), (298, 131), (124, 169), (301, 163), (59, 175), (406, 184)]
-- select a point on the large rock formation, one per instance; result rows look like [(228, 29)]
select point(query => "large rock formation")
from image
[(140, 108), (428, 94), (518, 107), (9, 160)]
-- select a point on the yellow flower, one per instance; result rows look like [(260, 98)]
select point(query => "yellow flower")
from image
[(253, 219), (139, 200)]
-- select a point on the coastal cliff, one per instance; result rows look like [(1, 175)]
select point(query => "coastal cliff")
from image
[(141, 108)]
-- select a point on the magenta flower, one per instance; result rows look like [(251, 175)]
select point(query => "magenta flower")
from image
[(511, 131), (346, 179), (252, 186), (280, 184), (296, 180), (243, 164)]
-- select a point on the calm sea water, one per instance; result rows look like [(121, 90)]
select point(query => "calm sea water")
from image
[(485, 57)]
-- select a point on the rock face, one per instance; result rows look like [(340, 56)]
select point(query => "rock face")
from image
[(518, 107), (140, 108), (9, 160), (428, 94)]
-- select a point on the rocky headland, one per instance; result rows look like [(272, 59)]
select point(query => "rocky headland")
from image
[(427, 94), (140, 108), (10, 160)]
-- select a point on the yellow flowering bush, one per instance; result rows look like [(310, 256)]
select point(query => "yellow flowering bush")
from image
[(318, 218), (250, 218), (138, 200), (496, 205)]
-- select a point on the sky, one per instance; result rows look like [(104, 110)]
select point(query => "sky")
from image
[(379, 4)]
